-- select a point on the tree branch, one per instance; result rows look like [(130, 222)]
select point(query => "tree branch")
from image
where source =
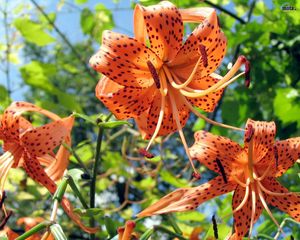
[(225, 11), (65, 39)]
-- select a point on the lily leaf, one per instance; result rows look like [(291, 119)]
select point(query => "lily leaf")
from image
[(88, 213), (113, 124)]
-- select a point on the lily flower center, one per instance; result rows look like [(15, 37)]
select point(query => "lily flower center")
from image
[(252, 180), (175, 91)]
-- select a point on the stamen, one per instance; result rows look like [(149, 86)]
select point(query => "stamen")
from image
[(262, 199), (179, 127), (226, 78), (275, 156), (215, 227), (222, 170), (198, 114), (5, 219), (238, 181), (159, 121), (203, 54), (3, 196), (253, 197), (145, 153), (264, 174), (244, 60), (172, 76), (154, 74), (249, 133), (249, 138), (244, 201), (273, 193)]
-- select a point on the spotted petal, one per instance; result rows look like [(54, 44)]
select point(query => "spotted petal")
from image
[(288, 153), (124, 102), (124, 60), (208, 102), (207, 34), (164, 27), (147, 121), (186, 199), (242, 218), (208, 148), (42, 140), (263, 138), (289, 203)]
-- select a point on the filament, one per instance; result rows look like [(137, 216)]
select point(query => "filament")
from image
[(179, 127), (253, 198), (159, 121)]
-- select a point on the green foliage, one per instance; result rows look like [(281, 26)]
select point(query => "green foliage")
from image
[(53, 70)]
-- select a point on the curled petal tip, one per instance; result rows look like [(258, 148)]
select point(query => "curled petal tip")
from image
[(244, 60), (146, 153)]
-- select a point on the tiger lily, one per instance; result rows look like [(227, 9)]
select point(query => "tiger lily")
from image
[(249, 171), (155, 78), (32, 147)]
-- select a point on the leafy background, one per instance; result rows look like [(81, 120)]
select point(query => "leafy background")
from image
[(44, 50)]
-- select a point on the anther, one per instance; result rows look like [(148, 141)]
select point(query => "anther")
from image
[(249, 133), (5, 219), (203, 54), (196, 175), (2, 198), (145, 153), (154, 74), (215, 227), (222, 170), (275, 155), (244, 60)]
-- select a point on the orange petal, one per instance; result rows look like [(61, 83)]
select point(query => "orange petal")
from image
[(76, 218), (263, 138), (20, 107), (124, 60), (164, 27), (124, 102), (186, 199), (209, 102), (289, 203), (57, 168), (242, 218), (288, 153), (208, 147), (42, 140), (37, 173), (148, 120), (207, 34)]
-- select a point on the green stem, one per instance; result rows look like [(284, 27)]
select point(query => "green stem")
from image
[(147, 234), (170, 219), (167, 231), (94, 176), (77, 192), (72, 151), (58, 195), (35, 229)]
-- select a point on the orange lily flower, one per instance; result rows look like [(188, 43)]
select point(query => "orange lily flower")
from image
[(250, 172), (158, 83), (31, 147)]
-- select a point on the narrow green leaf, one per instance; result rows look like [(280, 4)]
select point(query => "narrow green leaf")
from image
[(110, 226), (57, 232), (146, 235), (85, 117), (113, 124), (88, 213)]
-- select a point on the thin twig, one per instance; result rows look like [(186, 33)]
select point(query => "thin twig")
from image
[(225, 11), (66, 40), (7, 52)]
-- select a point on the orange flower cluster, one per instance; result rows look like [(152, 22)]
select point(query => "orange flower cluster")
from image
[(157, 80)]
